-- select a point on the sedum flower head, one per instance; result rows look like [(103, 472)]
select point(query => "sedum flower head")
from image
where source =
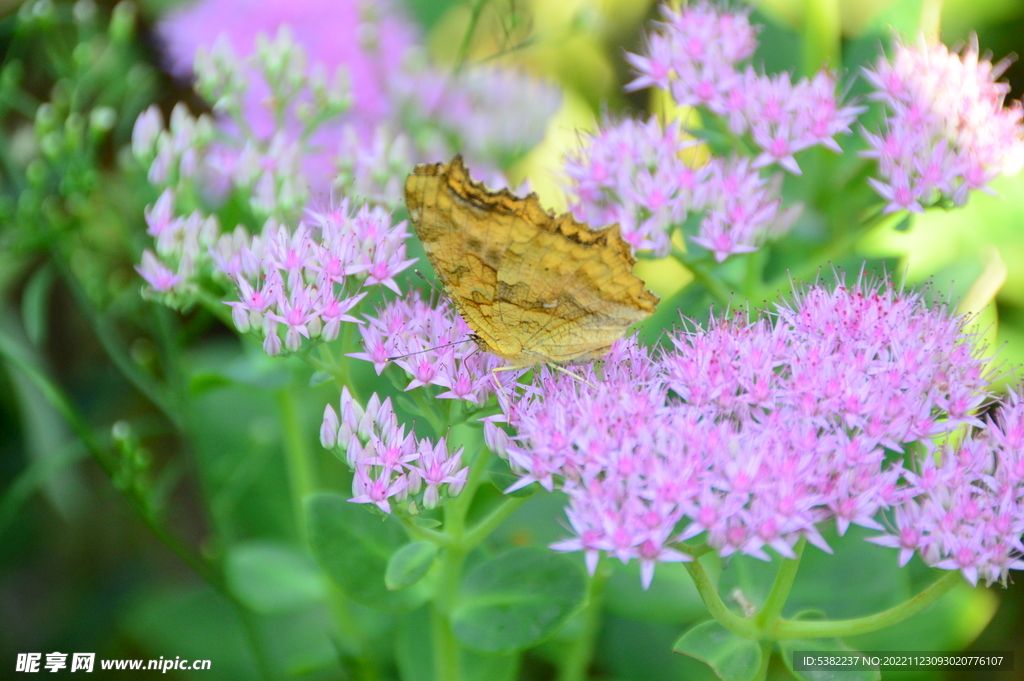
[(946, 130), (636, 175), (390, 465), (304, 283), (966, 508), (433, 345), (696, 53), (750, 434)]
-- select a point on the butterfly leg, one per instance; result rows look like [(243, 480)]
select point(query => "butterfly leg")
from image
[(577, 377)]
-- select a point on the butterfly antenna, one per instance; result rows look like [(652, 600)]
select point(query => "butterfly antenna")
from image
[(431, 284), (437, 347)]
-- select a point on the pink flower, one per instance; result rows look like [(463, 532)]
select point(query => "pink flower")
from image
[(390, 465), (947, 130), (366, 39), (157, 275), (695, 55), (309, 279), (434, 346), (753, 434)]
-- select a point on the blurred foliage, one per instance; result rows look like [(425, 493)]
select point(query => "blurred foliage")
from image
[(147, 508)]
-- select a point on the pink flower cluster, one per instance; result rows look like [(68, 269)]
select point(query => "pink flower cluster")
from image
[(182, 245), (496, 113), (368, 39), (695, 54), (633, 174), (398, 110), (946, 132), (390, 464), (966, 508), (434, 346), (306, 280), (754, 433)]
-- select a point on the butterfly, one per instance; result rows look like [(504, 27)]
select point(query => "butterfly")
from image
[(534, 288)]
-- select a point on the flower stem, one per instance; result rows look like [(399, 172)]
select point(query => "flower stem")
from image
[(467, 37), (446, 648), (822, 35), (483, 529), (772, 610), (297, 459), (740, 626), (209, 572), (576, 660), (789, 629)]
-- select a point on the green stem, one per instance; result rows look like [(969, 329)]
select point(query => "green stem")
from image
[(341, 370), (483, 529), (822, 35), (790, 629), (302, 483), (215, 306), (424, 533), (467, 37), (766, 657), (429, 411), (253, 633), (740, 626), (208, 572), (754, 274), (297, 458), (772, 610), (112, 344), (834, 251), (446, 648), (574, 664), (451, 562)]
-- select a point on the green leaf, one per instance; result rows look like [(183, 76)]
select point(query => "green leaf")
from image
[(205, 381), (270, 577), (427, 523), (518, 599), (319, 378), (354, 546), (252, 369), (732, 657), (409, 565), (826, 646)]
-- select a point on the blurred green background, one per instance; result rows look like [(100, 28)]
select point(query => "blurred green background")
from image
[(80, 568)]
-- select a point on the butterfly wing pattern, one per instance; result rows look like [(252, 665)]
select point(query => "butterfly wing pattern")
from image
[(532, 287)]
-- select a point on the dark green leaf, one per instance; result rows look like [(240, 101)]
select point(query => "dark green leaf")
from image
[(732, 657), (353, 546), (319, 378), (518, 599), (409, 565), (270, 577)]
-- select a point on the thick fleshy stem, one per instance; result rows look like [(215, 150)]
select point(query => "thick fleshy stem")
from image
[(767, 626)]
